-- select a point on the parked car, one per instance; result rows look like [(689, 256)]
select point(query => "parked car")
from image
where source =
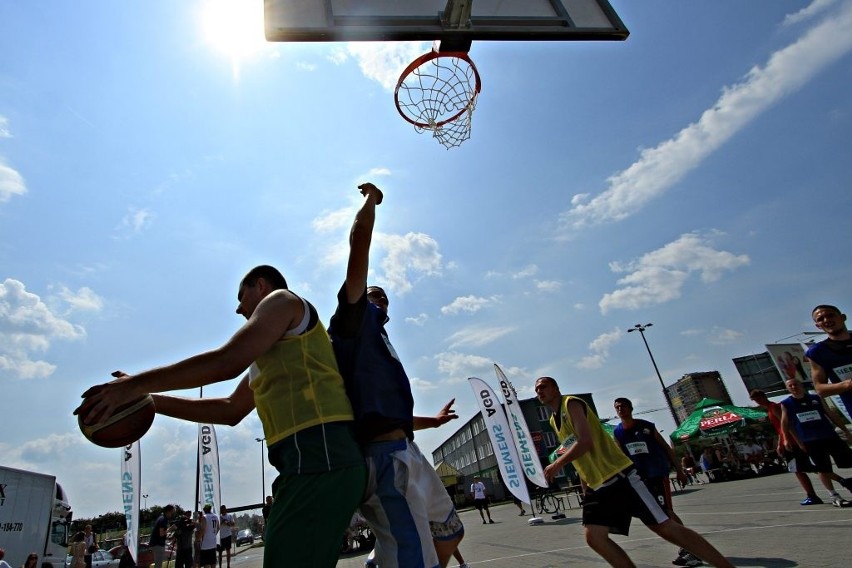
[(100, 559), (146, 555), (245, 536)]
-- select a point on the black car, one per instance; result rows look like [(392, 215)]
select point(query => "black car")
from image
[(245, 536)]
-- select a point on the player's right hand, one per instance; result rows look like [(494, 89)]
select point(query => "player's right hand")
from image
[(368, 188)]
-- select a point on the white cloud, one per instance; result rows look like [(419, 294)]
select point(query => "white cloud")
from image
[(470, 304), (461, 366), (600, 349), (338, 56), (136, 220), (419, 319), (4, 127), (689, 332), (335, 220), (83, 299), (526, 272), (659, 275), (11, 182), (306, 66), (380, 172), (813, 9), (721, 336), (421, 385), (658, 169), (409, 258), (27, 327), (477, 336), (547, 285), (384, 61)]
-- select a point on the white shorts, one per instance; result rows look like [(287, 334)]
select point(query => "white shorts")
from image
[(406, 505)]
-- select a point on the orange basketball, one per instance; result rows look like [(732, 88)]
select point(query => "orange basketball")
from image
[(126, 425)]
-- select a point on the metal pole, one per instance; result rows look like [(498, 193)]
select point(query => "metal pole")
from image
[(262, 472), (641, 329)]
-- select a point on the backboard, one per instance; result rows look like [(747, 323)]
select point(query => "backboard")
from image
[(455, 22)]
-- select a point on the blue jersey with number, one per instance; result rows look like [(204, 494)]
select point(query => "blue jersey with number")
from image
[(641, 446), (808, 418), (836, 358)]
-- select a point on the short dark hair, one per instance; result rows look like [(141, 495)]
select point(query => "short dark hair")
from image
[(268, 273), (550, 380), (168, 508), (755, 392), (625, 401), (826, 307)]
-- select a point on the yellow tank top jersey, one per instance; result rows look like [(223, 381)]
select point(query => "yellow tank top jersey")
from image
[(298, 385), (605, 458)]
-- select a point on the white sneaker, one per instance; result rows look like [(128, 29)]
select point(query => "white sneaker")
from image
[(464, 565), (839, 501)]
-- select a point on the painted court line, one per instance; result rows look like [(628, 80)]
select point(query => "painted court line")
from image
[(621, 542)]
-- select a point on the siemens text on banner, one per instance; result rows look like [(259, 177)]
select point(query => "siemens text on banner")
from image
[(501, 439)]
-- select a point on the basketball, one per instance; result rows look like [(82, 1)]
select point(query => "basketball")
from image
[(126, 425)]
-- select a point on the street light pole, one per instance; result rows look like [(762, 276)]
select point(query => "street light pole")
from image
[(145, 497), (641, 329), (262, 471)]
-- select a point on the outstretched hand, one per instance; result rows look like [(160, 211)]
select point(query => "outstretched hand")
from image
[(100, 401), (446, 414), (370, 189)]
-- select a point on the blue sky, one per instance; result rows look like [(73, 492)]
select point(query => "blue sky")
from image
[(695, 176)]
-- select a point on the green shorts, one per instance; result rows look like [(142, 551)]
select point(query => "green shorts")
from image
[(313, 509)]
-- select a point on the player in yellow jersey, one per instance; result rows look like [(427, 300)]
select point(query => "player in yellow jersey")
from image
[(300, 398), (614, 491)]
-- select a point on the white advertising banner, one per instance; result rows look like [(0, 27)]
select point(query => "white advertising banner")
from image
[(501, 439), (208, 464), (131, 492), (521, 432)]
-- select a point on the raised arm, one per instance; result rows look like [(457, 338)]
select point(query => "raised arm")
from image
[(360, 238)]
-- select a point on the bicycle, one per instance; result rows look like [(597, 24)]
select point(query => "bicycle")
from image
[(549, 503)]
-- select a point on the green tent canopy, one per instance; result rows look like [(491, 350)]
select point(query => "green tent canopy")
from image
[(712, 418)]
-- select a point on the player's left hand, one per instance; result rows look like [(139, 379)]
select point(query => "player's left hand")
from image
[(446, 414), (551, 471)]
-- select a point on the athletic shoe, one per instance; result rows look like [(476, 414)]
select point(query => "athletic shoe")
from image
[(839, 501), (490, 521), (811, 500), (522, 513), (484, 522), (687, 559), (464, 565)]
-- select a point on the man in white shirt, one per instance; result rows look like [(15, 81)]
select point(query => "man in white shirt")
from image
[(209, 528), (480, 498), (226, 522)]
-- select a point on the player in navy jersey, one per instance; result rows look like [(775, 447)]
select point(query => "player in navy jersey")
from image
[(653, 458)]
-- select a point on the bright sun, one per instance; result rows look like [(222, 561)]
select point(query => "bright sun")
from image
[(234, 28)]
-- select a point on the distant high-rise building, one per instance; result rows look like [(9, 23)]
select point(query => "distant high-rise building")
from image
[(691, 388)]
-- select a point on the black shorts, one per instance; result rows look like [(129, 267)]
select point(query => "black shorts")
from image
[(208, 557), (480, 503), (821, 452), (615, 504), (224, 543), (661, 490), (798, 461)]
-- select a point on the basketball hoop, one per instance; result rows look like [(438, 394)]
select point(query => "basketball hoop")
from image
[(437, 92)]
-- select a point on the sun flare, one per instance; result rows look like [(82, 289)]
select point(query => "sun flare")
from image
[(234, 28)]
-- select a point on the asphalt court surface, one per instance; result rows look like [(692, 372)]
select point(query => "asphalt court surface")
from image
[(754, 522)]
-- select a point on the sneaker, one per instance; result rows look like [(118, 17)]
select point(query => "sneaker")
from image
[(522, 513), (811, 500), (484, 522), (490, 521), (687, 559), (464, 565), (839, 501)]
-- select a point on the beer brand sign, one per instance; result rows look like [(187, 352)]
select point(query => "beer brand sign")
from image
[(718, 418)]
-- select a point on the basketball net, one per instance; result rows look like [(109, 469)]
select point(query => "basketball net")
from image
[(437, 92)]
